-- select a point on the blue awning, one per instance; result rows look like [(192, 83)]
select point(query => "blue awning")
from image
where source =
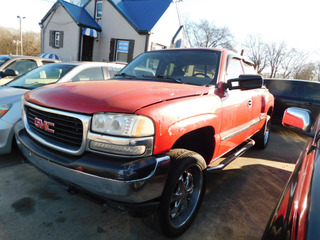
[(49, 55), (90, 32)]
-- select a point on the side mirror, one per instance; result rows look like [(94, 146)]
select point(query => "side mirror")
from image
[(298, 119), (245, 82), (10, 73)]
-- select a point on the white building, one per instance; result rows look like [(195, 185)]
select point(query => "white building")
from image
[(110, 30)]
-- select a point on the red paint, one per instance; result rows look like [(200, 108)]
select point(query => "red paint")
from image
[(39, 123)]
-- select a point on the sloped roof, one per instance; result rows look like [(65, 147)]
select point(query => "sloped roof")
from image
[(78, 14), (142, 14)]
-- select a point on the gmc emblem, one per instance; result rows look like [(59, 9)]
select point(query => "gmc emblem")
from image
[(43, 125)]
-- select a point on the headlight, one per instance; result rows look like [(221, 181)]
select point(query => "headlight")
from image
[(4, 108), (127, 125)]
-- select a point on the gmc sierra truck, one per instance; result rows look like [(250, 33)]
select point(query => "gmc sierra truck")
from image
[(144, 141)]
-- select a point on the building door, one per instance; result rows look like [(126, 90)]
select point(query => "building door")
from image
[(87, 48)]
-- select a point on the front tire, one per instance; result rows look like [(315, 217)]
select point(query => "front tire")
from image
[(183, 193)]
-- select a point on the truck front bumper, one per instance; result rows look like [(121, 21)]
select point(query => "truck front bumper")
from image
[(130, 182)]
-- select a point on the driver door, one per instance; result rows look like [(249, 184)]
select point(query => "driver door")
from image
[(237, 108)]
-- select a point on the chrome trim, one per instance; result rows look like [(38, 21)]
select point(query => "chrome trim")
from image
[(256, 121), (134, 191), (297, 118), (239, 151), (62, 148), (87, 136), (145, 141)]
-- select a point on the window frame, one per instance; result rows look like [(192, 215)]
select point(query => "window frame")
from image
[(56, 41), (98, 10)]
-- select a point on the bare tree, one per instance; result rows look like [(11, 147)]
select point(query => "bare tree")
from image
[(10, 44), (276, 53), (31, 44), (256, 50), (206, 34), (317, 74), (293, 62), (307, 72)]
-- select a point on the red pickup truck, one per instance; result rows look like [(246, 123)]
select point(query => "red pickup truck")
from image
[(144, 141)]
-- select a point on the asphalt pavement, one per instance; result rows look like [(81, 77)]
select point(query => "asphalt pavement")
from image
[(237, 204)]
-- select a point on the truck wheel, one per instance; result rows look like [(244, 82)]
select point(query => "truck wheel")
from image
[(262, 137), (183, 192)]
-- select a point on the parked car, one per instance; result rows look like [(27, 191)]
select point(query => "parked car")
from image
[(293, 93), (144, 141), (297, 214), (13, 66), (10, 94)]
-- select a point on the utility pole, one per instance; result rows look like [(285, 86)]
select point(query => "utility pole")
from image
[(21, 44), (16, 42)]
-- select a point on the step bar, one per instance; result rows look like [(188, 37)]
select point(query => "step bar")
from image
[(237, 152)]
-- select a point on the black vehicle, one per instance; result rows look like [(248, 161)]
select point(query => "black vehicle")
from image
[(293, 93), (297, 214)]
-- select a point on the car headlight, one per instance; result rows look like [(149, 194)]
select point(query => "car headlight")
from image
[(127, 125), (4, 108)]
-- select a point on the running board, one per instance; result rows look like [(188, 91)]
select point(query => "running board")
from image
[(237, 152)]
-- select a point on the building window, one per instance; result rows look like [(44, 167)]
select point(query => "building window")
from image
[(98, 9), (121, 50), (56, 39)]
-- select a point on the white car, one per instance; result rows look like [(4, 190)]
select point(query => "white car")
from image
[(10, 94), (13, 66)]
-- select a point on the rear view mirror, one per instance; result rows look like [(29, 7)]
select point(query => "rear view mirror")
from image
[(245, 82), (298, 119), (10, 73)]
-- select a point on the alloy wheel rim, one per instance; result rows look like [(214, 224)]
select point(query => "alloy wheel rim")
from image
[(185, 197)]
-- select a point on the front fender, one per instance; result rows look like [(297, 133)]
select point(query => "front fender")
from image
[(175, 131)]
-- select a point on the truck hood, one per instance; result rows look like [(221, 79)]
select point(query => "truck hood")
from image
[(125, 96), (10, 94)]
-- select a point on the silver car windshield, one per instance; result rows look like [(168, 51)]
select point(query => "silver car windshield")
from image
[(47, 74)]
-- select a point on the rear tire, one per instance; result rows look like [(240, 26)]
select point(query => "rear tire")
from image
[(262, 137), (183, 193)]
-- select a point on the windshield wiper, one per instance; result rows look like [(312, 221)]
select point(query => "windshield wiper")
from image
[(19, 87), (124, 75), (163, 77)]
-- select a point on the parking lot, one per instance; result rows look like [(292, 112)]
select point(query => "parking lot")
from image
[(237, 205)]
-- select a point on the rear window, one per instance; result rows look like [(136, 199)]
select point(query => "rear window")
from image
[(46, 62), (3, 59), (312, 91), (284, 88)]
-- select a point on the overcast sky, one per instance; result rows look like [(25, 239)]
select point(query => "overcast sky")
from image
[(293, 21)]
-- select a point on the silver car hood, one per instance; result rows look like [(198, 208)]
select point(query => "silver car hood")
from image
[(11, 95)]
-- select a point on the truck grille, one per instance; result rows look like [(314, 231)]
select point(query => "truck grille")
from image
[(60, 129)]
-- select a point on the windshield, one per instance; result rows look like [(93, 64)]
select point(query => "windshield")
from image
[(198, 67), (43, 75), (3, 59)]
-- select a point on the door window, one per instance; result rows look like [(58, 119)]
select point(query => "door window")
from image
[(22, 66), (234, 68)]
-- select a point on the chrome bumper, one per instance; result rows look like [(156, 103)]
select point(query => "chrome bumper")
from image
[(127, 191)]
